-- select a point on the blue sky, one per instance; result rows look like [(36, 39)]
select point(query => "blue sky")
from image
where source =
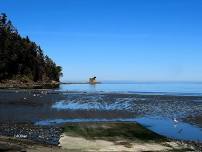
[(138, 40)]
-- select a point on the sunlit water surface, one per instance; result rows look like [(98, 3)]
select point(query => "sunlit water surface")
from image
[(170, 109), (152, 87), (167, 115)]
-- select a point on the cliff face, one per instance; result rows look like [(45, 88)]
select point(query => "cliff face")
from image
[(22, 59)]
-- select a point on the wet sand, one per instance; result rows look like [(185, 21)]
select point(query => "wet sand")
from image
[(117, 137)]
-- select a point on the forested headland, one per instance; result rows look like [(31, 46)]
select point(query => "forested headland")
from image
[(22, 59)]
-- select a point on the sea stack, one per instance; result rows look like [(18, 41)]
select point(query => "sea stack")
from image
[(92, 80)]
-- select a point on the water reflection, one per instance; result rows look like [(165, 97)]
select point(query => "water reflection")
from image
[(172, 128), (164, 106), (119, 104), (160, 125), (92, 87), (52, 107), (61, 121)]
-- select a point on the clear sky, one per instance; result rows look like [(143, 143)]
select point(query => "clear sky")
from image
[(138, 40)]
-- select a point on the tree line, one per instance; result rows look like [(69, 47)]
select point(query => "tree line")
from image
[(20, 57)]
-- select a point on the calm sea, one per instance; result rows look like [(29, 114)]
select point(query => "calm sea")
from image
[(154, 88)]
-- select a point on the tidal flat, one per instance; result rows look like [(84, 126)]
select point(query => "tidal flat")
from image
[(41, 115), (98, 137)]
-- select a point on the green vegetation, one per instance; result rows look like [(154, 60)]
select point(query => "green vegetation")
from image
[(126, 136), (112, 131), (20, 58)]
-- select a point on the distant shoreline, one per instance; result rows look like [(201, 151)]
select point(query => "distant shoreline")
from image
[(14, 84), (79, 83)]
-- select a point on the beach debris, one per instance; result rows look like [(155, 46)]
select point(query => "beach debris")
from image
[(175, 120), (44, 92), (20, 136)]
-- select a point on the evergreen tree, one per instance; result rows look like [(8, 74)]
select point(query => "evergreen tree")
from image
[(21, 57)]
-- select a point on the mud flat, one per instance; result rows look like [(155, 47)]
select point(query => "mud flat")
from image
[(23, 114)]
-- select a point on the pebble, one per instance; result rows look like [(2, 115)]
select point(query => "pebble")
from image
[(42, 134)]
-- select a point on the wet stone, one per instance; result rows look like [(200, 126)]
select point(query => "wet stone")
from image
[(41, 134)]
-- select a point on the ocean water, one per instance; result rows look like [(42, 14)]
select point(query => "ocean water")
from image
[(172, 128), (179, 88)]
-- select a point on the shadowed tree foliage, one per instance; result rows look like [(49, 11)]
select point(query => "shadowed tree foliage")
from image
[(20, 57)]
